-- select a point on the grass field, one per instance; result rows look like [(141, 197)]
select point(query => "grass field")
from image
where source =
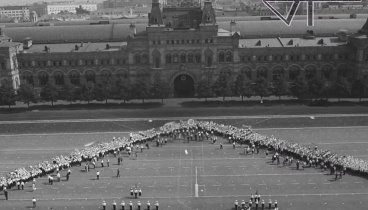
[(167, 174)]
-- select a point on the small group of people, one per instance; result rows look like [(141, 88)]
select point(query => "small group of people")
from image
[(135, 192), (130, 205), (255, 203)]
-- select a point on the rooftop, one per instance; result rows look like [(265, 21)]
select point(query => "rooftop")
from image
[(71, 47), (290, 42)]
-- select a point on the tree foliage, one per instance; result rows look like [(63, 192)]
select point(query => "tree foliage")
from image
[(7, 94), (222, 86), (160, 89), (299, 88), (26, 94), (204, 89), (49, 93)]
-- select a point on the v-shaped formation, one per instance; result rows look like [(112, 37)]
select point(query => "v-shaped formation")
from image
[(294, 7)]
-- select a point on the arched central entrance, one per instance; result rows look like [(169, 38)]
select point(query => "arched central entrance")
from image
[(183, 86)]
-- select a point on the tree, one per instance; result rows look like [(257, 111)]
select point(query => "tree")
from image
[(243, 86), (342, 87), (7, 94), (121, 90), (222, 85), (80, 11), (160, 89), (299, 88), (280, 88), (26, 94), (140, 89), (49, 93), (204, 89), (316, 87), (69, 93), (262, 88), (87, 92), (360, 88), (103, 91)]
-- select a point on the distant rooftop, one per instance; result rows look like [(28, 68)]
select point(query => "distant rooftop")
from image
[(290, 42), (71, 47)]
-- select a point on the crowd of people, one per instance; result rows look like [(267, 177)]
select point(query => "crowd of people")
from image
[(193, 130)]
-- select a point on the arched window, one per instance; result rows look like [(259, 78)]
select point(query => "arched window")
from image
[(190, 58), (105, 76), (209, 60), (144, 58), (168, 58), (137, 59), (43, 78), (198, 58), (327, 72), (74, 77), (123, 74), (262, 73), (221, 57), (27, 77), (59, 78), (183, 58), (277, 73), (175, 58), (247, 72), (90, 76), (310, 73), (294, 73), (229, 56)]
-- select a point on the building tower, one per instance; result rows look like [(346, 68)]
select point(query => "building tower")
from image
[(155, 17), (208, 16), (34, 17)]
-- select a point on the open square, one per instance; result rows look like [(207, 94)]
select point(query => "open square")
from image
[(168, 174)]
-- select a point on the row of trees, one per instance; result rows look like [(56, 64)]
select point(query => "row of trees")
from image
[(120, 90), (224, 86), (300, 88)]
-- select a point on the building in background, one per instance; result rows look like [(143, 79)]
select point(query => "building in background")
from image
[(183, 49), (20, 13), (49, 8)]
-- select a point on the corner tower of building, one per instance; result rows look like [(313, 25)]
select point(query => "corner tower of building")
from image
[(155, 16)]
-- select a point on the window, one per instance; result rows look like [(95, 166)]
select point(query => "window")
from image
[(105, 76), (137, 59), (175, 58), (90, 76), (28, 78), (74, 78), (43, 78), (183, 58), (190, 58), (157, 62), (167, 41), (59, 78), (262, 73), (168, 58), (209, 60), (229, 56), (293, 73), (198, 58), (277, 73), (221, 57)]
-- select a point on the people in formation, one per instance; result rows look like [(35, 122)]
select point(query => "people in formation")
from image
[(290, 152)]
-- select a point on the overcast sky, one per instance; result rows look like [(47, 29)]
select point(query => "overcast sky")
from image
[(25, 2)]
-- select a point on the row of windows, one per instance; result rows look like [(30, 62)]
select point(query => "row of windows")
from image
[(187, 41), (183, 58), (264, 58), (90, 62), (294, 73), (74, 77)]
